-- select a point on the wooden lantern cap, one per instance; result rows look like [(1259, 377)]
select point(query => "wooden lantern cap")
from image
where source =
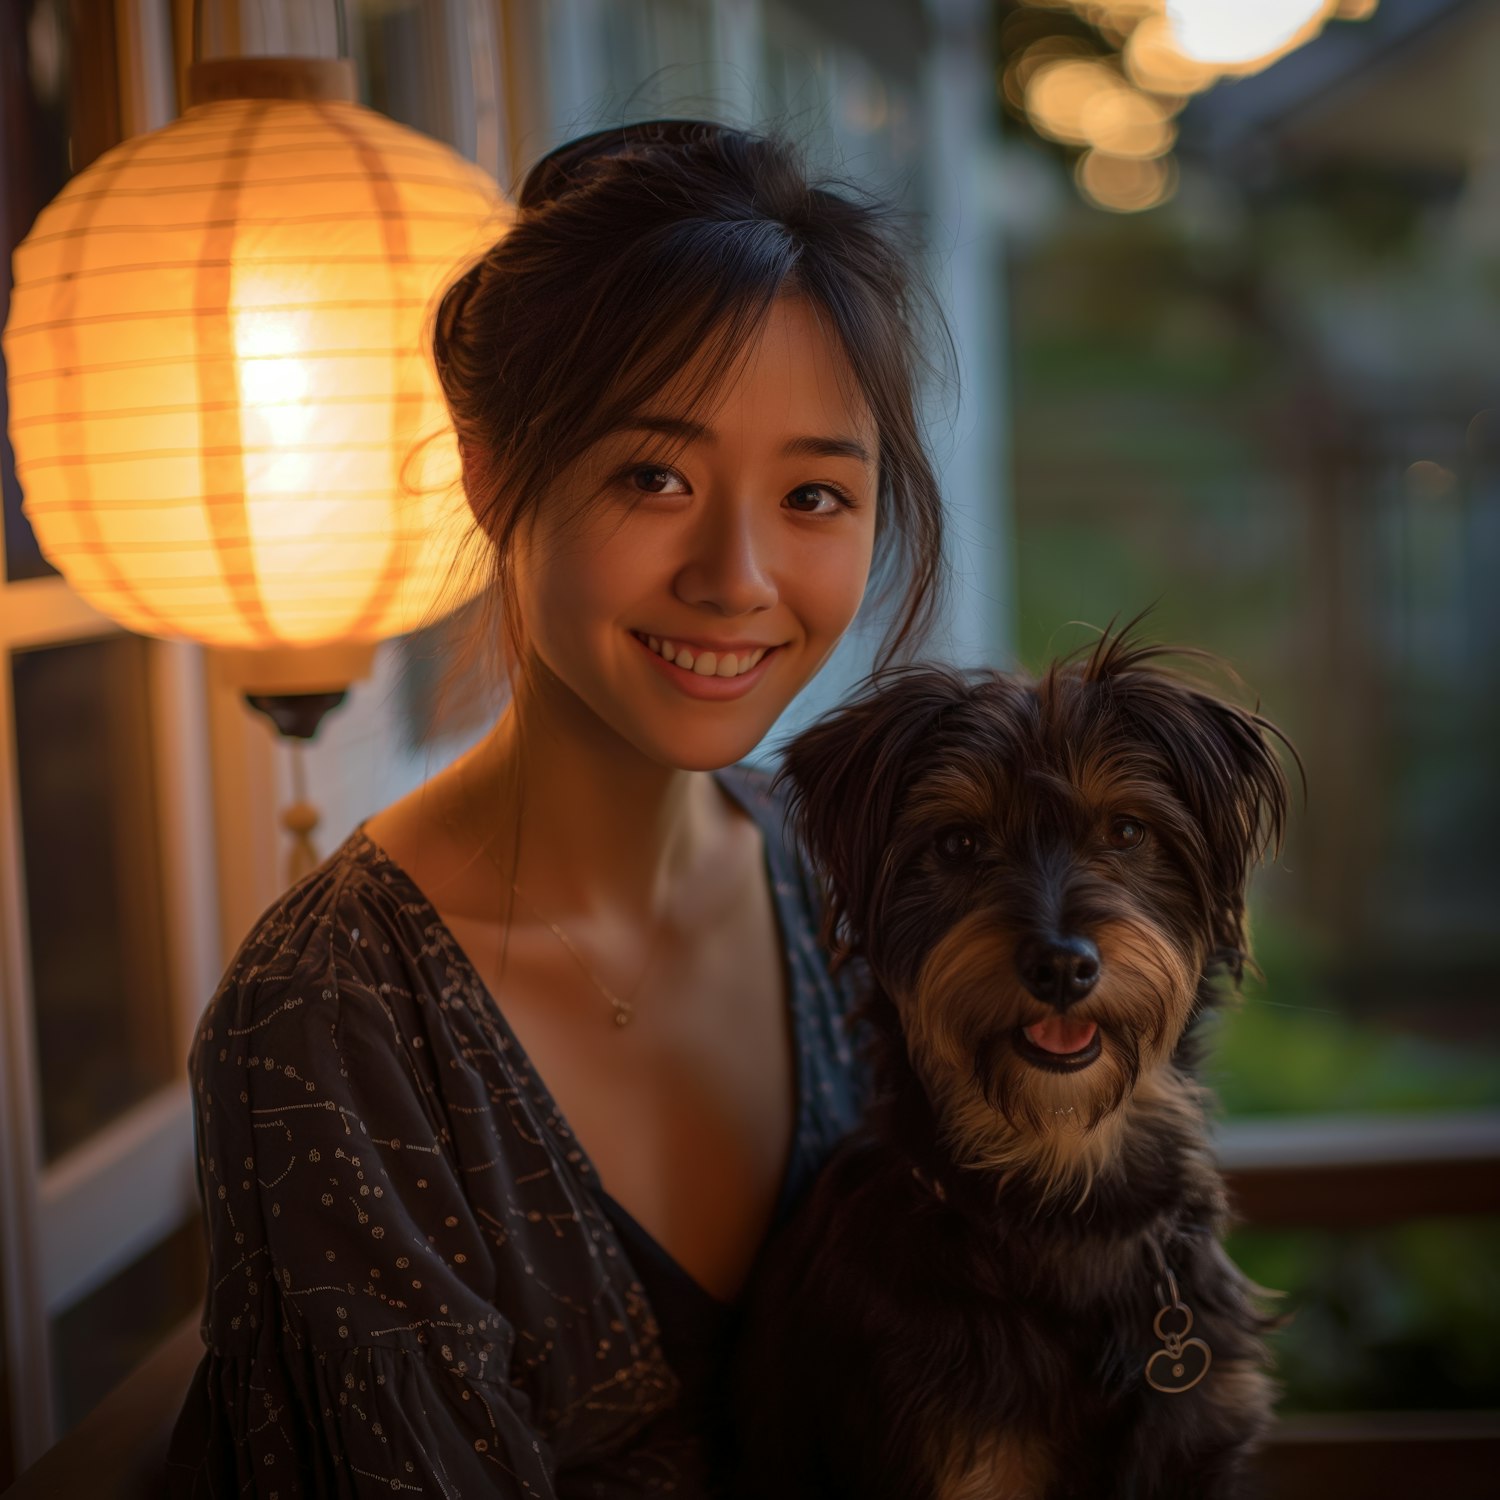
[(278, 670), (272, 78)]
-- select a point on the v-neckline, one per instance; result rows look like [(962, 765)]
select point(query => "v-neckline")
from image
[(593, 1184)]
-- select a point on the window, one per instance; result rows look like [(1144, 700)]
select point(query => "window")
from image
[(108, 930)]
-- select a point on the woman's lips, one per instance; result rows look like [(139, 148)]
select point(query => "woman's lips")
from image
[(694, 685)]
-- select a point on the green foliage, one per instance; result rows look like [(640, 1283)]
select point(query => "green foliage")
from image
[(1406, 1318), (1284, 1047)]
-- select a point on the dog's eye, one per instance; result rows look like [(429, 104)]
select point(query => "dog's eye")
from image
[(957, 845), (1126, 833)]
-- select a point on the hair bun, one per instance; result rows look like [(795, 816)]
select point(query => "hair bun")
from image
[(565, 167), (451, 307)]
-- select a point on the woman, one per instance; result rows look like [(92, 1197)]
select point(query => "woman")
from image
[(496, 1108)]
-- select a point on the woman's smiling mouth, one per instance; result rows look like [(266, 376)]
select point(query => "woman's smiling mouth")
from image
[(704, 673), (704, 662)]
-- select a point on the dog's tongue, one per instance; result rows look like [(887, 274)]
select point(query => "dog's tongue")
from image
[(1061, 1035)]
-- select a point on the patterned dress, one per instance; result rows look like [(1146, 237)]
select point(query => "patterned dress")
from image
[(417, 1284)]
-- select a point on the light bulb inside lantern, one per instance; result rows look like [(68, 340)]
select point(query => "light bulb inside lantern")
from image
[(273, 376)]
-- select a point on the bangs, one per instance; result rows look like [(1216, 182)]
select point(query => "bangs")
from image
[(693, 300)]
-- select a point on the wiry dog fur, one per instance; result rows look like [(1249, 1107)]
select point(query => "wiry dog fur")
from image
[(964, 1307)]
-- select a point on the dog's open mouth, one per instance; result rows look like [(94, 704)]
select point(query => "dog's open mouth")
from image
[(1060, 1044)]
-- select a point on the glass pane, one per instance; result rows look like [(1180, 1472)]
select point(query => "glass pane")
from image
[(852, 94), (658, 57), (393, 43), (93, 880), (101, 1339), (62, 111), (431, 65)]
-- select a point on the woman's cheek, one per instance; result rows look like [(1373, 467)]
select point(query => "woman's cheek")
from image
[(841, 582)]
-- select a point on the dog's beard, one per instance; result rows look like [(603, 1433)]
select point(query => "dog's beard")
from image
[(1000, 1113)]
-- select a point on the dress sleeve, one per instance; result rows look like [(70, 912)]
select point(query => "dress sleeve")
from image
[(353, 1345)]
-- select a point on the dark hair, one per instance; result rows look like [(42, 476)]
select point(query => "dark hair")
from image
[(635, 250)]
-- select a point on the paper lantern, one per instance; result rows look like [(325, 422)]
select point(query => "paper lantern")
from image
[(217, 367)]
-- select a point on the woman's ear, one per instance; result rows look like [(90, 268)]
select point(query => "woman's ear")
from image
[(847, 774)]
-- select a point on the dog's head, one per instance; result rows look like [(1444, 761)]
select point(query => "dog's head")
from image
[(1042, 875)]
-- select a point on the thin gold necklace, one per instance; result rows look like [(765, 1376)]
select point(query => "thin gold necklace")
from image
[(623, 1009)]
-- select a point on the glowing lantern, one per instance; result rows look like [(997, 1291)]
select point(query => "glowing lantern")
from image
[(217, 372)]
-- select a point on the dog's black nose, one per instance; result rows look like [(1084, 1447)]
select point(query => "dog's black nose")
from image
[(1059, 970)]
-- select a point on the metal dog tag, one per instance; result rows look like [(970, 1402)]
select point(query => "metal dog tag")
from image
[(1172, 1369)]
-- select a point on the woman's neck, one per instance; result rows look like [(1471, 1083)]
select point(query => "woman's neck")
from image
[(587, 823)]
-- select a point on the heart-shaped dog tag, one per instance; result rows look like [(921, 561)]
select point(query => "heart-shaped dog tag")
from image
[(1178, 1369)]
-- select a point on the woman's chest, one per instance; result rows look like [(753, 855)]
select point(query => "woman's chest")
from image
[(687, 1112)]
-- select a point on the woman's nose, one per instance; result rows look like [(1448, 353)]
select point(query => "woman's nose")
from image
[(728, 566)]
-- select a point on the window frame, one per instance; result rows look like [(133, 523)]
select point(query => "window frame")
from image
[(135, 1176)]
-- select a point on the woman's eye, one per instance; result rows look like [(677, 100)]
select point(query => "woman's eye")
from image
[(822, 499), (656, 480), (1126, 833), (957, 845)]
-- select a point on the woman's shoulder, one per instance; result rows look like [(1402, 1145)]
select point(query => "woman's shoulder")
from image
[(803, 899), (827, 994), (755, 782), (758, 788), (344, 923)]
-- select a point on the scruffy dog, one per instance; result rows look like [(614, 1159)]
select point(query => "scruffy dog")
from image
[(1009, 1283)]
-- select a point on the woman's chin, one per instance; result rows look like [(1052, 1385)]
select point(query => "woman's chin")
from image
[(707, 752)]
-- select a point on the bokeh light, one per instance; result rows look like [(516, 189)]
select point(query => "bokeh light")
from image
[(1061, 92), (1428, 480), (1123, 184), (1124, 122), (1153, 61), (1233, 35), (1120, 104)]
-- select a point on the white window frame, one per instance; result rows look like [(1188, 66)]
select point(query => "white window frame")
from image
[(68, 1226)]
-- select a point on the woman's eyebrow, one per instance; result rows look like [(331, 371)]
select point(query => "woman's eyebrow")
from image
[(828, 447), (698, 432)]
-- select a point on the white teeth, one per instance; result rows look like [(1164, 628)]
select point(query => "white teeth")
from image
[(705, 663)]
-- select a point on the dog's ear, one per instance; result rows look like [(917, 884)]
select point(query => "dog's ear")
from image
[(1222, 760), (846, 774)]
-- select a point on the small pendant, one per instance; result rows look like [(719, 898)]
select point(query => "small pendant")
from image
[(1173, 1369), (622, 1017)]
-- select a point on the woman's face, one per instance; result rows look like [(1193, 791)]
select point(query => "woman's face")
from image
[(745, 554)]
